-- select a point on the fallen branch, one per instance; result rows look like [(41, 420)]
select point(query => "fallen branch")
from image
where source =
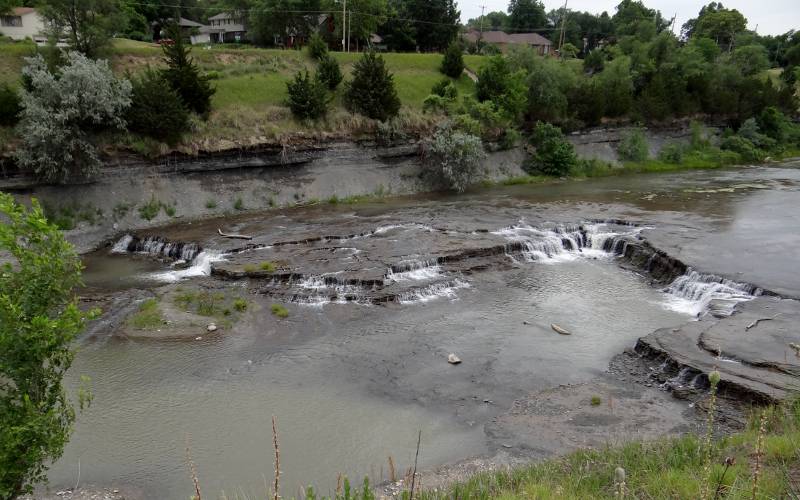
[(759, 320), (234, 236), (559, 330)]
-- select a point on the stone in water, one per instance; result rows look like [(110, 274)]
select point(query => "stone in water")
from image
[(212, 327), (453, 359), (559, 330)]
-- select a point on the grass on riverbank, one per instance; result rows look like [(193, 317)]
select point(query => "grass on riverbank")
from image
[(148, 317), (667, 468)]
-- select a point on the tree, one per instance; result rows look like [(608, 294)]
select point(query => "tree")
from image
[(553, 154), (7, 5), (442, 21), (493, 21), (329, 72), (372, 92), (307, 96), (10, 106), (88, 25), (363, 20), (156, 109), (720, 24), (183, 75), (454, 158), (453, 62), (751, 59), (274, 21), (526, 15), (63, 112), (317, 48), (631, 15), (39, 319)]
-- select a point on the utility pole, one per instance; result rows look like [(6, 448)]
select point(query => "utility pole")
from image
[(344, 26), (481, 35), (349, 26), (672, 27), (563, 26)]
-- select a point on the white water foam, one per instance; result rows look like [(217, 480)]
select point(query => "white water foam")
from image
[(415, 270), (693, 292), (432, 292), (122, 245), (201, 266), (561, 244)]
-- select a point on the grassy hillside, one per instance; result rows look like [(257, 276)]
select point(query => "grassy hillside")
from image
[(251, 87)]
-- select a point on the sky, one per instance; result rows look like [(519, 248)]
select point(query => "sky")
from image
[(772, 17)]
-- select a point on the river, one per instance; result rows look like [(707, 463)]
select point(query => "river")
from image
[(378, 295)]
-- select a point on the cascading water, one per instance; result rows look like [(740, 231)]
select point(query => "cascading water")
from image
[(414, 270), (199, 260), (694, 292)]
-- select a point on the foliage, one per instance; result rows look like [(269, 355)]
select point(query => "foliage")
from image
[(445, 88), (156, 109), (272, 22), (183, 75), (148, 316), (402, 34), (371, 91), (453, 62), (329, 73), (10, 106), (87, 25), (671, 153), (633, 146), (454, 158), (63, 111), (279, 311), (777, 126), (743, 147), (39, 319), (525, 15), (443, 95), (503, 88), (594, 62), (553, 154), (317, 48), (308, 98), (751, 59)]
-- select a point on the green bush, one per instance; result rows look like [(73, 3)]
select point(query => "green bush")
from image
[(633, 146), (308, 98), (329, 73), (317, 48), (372, 92), (156, 109), (10, 106), (184, 77), (445, 88), (594, 62), (454, 158), (671, 153), (553, 154), (434, 103), (453, 62), (746, 149)]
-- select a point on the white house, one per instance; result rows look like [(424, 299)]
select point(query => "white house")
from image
[(22, 23)]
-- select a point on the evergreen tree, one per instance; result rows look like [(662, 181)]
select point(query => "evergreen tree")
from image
[(156, 109), (307, 96), (453, 62), (183, 75), (372, 92), (329, 72)]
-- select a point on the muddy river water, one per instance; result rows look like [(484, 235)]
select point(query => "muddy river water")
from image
[(378, 295)]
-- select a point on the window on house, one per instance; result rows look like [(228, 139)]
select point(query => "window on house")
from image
[(15, 21)]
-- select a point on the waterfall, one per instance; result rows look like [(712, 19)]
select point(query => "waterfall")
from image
[(414, 270), (561, 243), (446, 289), (158, 247), (693, 293), (200, 266)]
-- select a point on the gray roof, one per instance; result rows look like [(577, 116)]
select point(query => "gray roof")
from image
[(221, 16), (503, 37)]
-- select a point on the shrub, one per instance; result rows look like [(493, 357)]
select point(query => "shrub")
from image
[(454, 158), (10, 106), (372, 92), (150, 210), (554, 155), (329, 73), (492, 78), (156, 109), (279, 310), (445, 88), (62, 113), (633, 146), (746, 149), (240, 305), (750, 131), (183, 75), (453, 62), (671, 153), (594, 62), (434, 103), (774, 124), (317, 48), (308, 98)]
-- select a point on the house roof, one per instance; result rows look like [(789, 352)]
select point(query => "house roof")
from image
[(188, 23), (221, 16), (21, 11), (503, 37)]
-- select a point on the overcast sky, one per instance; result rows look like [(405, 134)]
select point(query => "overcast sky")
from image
[(773, 17)]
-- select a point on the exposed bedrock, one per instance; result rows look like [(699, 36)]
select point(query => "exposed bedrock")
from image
[(752, 349)]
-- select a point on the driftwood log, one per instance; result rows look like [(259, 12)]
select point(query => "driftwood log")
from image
[(759, 320), (234, 236), (559, 330)]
